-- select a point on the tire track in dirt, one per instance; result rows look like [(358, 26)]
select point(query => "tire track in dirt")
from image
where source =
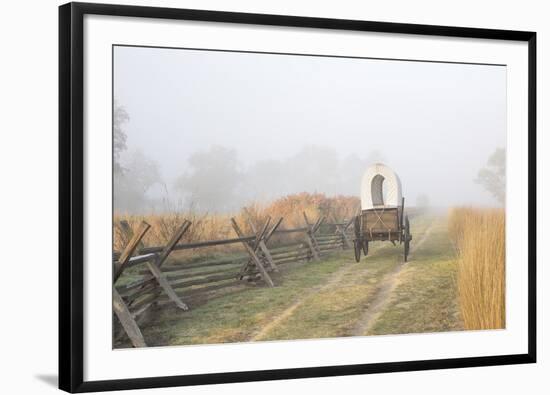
[(384, 294), (336, 278)]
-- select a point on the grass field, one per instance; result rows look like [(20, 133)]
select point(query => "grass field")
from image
[(332, 298)]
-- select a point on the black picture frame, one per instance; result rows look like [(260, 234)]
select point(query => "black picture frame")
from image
[(71, 197)]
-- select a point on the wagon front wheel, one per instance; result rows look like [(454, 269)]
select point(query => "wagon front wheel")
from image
[(407, 237), (357, 249), (357, 240)]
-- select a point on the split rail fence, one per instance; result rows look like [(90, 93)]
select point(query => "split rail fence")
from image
[(185, 284)]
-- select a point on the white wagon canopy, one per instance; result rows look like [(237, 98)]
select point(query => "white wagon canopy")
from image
[(378, 179)]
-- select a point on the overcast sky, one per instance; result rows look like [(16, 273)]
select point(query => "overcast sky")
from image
[(435, 124)]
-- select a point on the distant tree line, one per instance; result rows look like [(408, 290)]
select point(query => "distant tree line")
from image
[(215, 180)]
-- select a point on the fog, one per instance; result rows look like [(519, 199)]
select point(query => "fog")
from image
[(217, 130)]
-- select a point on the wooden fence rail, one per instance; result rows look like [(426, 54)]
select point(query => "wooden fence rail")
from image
[(185, 284)]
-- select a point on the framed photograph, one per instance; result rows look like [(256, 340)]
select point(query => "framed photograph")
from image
[(251, 197)]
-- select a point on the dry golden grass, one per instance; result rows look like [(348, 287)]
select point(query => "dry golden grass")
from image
[(218, 226), (163, 226), (479, 236)]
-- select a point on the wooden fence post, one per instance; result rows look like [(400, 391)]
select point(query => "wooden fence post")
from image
[(129, 250), (252, 253), (341, 230), (318, 224), (273, 229), (260, 242), (344, 232), (172, 243), (154, 267), (128, 232), (314, 230), (258, 237), (310, 238), (127, 321), (119, 306)]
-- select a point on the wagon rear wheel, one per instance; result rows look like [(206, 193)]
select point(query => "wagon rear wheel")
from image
[(407, 236), (366, 247)]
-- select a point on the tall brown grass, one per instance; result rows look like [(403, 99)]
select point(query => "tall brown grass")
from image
[(479, 237), (218, 226)]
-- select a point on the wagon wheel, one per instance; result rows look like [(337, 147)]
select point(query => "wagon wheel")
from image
[(357, 227), (366, 247), (357, 249), (407, 238), (357, 241)]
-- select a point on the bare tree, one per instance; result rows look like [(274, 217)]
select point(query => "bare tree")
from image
[(120, 116), (493, 175), (135, 174)]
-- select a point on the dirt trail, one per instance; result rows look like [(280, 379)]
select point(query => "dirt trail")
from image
[(336, 278), (384, 293), (425, 237), (381, 298)]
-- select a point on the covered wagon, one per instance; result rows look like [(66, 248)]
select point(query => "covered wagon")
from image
[(382, 216)]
